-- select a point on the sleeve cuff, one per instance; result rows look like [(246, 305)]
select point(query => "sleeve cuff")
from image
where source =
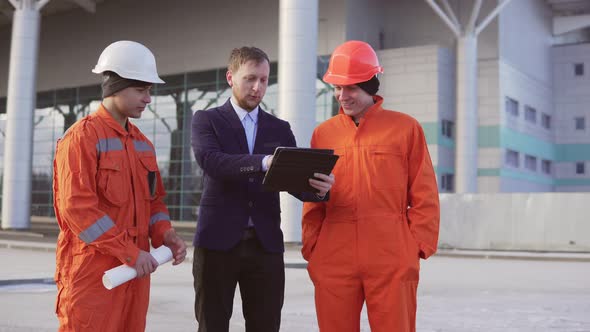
[(129, 255), (425, 251), (306, 253), (264, 167), (158, 230)]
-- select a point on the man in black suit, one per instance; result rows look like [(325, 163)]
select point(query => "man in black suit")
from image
[(238, 238)]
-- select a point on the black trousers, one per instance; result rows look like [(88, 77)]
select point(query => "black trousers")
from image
[(261, 276)]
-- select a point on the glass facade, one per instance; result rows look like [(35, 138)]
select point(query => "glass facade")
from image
[(166, 122)]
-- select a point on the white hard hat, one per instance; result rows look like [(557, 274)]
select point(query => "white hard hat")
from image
[(130, 60)]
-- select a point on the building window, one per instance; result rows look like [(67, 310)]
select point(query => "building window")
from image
[(530, 114), (446, 181), (546, 166), (512, 158), (580, 123), (448, 128), (511, 106), (530, 162), (580, 168), (546, 121), (579, 69)]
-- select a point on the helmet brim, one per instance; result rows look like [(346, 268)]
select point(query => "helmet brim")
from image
[(332, 78)]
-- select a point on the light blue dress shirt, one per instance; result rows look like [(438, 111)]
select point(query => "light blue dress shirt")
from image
[(250, 122)]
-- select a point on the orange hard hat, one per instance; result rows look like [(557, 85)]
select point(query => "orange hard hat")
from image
[(352, 62)]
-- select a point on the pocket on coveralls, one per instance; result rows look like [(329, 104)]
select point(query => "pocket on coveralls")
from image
[(111, 182), (147, 172), (389, 163)]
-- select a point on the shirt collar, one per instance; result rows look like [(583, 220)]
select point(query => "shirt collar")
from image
[(104, 115), (372, 109), (241, 113)]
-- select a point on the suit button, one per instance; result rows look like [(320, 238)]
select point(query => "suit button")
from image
[(251, 180), (250, 204), (128, 259)]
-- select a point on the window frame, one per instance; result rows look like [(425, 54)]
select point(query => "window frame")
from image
[(580, 168), (447, 128), (510, 156), (513, 102), (447, 181), (528, 160), (546, 166), (528, 110), (579, 69), (580, 123), (546, 120)]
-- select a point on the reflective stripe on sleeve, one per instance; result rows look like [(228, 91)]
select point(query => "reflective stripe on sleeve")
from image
[(97, 229), (159, 216), (109, 144), (142, 146)]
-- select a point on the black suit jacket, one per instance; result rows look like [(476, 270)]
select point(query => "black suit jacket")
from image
[(233, 178)]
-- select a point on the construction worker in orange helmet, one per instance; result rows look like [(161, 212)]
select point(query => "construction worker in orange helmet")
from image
[(108, 200), (364, 244)]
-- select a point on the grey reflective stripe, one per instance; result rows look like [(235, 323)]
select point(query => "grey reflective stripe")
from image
[(97, 229), (159, 216), (109, 144), (142, 146)]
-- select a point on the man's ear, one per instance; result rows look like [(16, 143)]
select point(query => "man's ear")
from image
[(228, 77)]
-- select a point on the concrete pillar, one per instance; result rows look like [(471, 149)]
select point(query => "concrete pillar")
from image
[(467, 120), (298, 34), (18, 148)]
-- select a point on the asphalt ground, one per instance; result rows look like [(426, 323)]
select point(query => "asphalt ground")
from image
[(459, 291)]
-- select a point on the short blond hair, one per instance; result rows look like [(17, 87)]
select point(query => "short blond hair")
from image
[(240, 56)]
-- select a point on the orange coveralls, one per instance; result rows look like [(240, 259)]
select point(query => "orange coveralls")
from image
[(382, 216), (107, 210)]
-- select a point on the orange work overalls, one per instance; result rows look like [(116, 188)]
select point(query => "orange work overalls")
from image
[(108, 203), (364, 244)]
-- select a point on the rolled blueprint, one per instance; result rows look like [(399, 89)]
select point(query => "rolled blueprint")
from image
[(123, 273)]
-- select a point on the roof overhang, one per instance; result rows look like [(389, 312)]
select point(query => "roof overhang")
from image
[(52, 7), (569, 15)]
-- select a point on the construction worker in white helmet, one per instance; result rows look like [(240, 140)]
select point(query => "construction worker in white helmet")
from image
[(108, 199)]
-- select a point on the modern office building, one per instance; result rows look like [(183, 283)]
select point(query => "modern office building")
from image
[(501, 88)]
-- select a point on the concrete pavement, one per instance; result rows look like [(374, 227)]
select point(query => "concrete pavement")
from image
[(460, 291), (455, 295), (43, 236)]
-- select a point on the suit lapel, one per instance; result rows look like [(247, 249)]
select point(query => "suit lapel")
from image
[(262, 130), (229, 114)]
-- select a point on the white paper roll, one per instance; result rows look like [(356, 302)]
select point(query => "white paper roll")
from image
[(123, 273)]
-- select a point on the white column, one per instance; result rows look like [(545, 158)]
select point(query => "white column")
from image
[(298, 29), (16, 191), (467, 122)]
